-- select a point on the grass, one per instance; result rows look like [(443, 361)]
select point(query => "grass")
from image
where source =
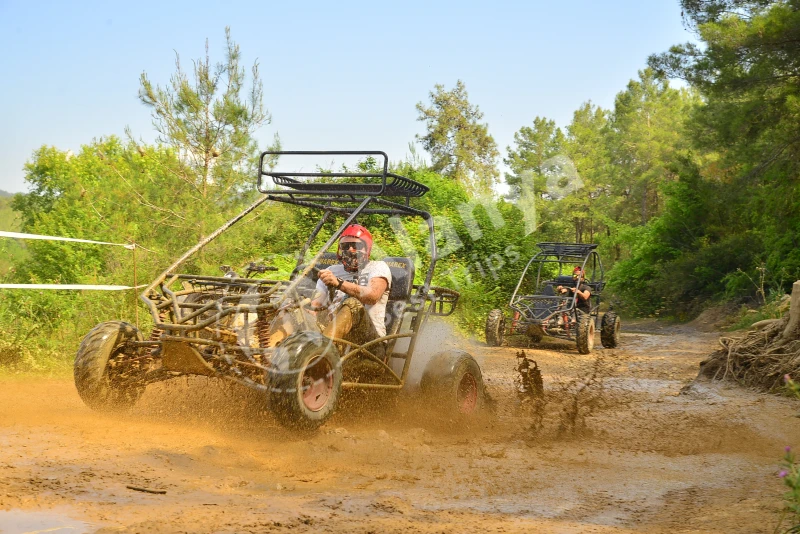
[(774, 308)]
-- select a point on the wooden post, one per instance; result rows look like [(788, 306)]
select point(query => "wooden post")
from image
[(135, 288), (792, 330)]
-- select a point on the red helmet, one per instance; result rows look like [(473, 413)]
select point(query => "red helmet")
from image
[(355, 260), (356, 230)]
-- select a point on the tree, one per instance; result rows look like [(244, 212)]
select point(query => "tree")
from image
[(586, 144), (647, 130), (749, 71), (534, 145), (209, 122), (460, 145)]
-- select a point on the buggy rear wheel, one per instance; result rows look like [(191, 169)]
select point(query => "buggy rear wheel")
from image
[(609, 330), (495, 328), (454, 380), (305, 381), (103, 378), (584, 337)]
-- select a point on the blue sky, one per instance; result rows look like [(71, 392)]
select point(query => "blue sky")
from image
[(337, 75)]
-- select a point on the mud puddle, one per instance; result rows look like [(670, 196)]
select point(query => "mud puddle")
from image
[(31, 522), (660, 454)]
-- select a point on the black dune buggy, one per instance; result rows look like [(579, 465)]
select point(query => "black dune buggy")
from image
[(219, 326), (539, 309)]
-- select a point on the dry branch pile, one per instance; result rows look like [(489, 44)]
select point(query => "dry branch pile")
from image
[(763, 356)]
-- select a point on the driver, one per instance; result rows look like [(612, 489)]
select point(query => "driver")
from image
[(357, 310), (360, 291), (582, 289)]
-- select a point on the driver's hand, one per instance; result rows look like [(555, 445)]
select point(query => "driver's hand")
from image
[(328, 278)]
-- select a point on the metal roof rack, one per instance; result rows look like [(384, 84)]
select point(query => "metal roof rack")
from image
[(578, 250), (340, 185)]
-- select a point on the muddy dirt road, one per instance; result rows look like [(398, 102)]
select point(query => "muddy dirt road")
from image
[(653, 460)]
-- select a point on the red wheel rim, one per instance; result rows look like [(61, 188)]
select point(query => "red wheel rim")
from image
[(316, 384), (467, 394)]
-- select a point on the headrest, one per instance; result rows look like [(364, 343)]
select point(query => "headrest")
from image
[(402, 277)]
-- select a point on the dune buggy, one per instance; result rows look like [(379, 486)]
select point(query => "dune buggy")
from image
[(219, 326), (539, 308)]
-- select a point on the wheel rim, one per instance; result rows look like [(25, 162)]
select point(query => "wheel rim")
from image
[(317, 384), (467, 394), (616, 329), (591, 334)]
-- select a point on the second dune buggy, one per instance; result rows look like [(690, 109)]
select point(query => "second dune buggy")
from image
[(538, 309)]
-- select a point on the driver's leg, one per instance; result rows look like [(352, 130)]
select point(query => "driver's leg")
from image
[(353, 324), (287, 323)]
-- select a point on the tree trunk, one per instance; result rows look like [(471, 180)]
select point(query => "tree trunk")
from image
[(792, 330)]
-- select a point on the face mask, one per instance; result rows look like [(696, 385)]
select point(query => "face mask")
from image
[(352, 255)]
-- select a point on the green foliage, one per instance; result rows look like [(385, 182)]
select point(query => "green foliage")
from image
[(11, 250), (733, 216), (460, 145)]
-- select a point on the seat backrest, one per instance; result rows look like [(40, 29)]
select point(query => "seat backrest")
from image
[(402, 277), (402, 282)]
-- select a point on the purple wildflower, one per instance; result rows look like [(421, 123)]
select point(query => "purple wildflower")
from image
[(783, 473), (788, 448)]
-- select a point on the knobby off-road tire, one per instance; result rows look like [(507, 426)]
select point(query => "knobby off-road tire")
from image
[(584, 337), (609, 330), (100, 385), (304, 381), (454, 383), (495, 328)]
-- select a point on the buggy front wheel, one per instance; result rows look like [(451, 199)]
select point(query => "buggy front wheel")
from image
[(495, 327), (584, 337), (105, 368), (305, 381)]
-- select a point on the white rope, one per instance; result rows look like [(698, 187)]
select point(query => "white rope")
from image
[(68, 286), (17, 235)]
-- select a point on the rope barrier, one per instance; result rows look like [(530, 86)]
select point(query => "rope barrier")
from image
[(17, 235), (69, 286)]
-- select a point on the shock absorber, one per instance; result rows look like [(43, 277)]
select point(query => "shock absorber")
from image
[(262, 329), (155, 335)]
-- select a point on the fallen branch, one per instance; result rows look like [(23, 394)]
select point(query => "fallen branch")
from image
[(147, 490)]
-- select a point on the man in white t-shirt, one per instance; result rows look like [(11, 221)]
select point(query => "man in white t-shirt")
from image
[(358, 308)]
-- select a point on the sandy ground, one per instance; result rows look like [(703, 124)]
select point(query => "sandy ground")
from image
[(652, 459)]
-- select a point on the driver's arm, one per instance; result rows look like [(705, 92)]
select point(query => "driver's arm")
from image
[(320, 297), (368, 295), (583, 294)]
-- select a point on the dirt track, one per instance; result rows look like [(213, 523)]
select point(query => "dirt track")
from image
[(654, 460)]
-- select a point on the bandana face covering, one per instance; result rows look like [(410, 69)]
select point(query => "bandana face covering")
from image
[(352, 255)]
